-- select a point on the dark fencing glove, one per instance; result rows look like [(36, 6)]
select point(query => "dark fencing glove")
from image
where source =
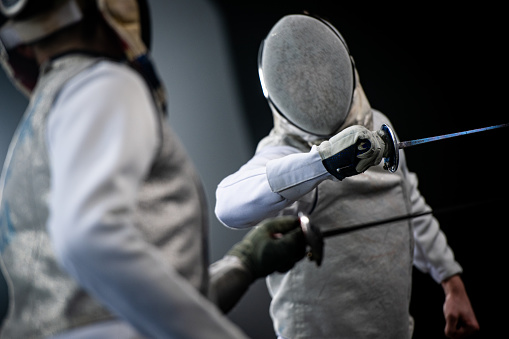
[(276, 244)]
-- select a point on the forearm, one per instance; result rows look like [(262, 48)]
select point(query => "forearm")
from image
[(269, 182), (245, 198), (297, 174), (259, 254), (459, 314), (229, 281), (453, 285), (132, 279)]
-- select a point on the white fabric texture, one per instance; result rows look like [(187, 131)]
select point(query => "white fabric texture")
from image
[(276, 176), (307, 73), (368, 273), (107, 329), (91, 206), (266, 184), (363, 287)]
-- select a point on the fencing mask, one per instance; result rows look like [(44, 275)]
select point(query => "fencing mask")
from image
[(28, 21), (307, 74)]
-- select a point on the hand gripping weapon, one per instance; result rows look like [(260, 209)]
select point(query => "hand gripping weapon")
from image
[(314, 236)]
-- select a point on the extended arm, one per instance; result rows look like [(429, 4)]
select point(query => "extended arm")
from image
[(277, 176)]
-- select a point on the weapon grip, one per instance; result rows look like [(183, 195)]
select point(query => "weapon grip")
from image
[(314, 239), (343, 164), (391, 162)]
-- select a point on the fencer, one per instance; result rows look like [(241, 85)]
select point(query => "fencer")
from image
[(102, 216), (322, 158)]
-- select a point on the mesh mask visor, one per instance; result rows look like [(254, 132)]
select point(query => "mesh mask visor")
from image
[(307, 73)]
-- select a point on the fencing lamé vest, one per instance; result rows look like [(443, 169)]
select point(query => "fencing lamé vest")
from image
[(43, 299), (362, 288)]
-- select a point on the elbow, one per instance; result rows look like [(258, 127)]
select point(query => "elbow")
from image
[(230, 216), (227, 209), (242, 217), (242, 211)]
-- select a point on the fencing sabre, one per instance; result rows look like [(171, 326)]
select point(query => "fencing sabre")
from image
[(314, 236), (391, 162)]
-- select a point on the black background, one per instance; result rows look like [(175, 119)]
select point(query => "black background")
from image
[(432, 70)]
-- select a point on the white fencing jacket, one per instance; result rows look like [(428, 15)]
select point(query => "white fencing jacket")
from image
[(362, 289), (103, 214)]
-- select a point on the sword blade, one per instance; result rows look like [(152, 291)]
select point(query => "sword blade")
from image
[(405, 144), (444, 210), (343, 230)]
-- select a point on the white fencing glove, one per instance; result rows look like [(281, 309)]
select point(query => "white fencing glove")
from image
[(352, 151)]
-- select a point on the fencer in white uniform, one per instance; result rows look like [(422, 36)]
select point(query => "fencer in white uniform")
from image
[(321, 117)]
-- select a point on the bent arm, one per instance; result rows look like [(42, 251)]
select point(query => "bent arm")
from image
[(273, 179), (101, 149), (274, 245)]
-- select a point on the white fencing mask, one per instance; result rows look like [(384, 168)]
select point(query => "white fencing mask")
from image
[(307, 73)]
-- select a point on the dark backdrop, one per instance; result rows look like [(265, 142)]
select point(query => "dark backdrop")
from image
[(432, 70)]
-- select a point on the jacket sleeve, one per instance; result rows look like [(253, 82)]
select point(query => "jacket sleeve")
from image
[(273, 179), (101, 147), (432, 253)]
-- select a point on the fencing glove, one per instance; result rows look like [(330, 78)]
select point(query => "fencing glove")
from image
[(274, 245), (352, 151)]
